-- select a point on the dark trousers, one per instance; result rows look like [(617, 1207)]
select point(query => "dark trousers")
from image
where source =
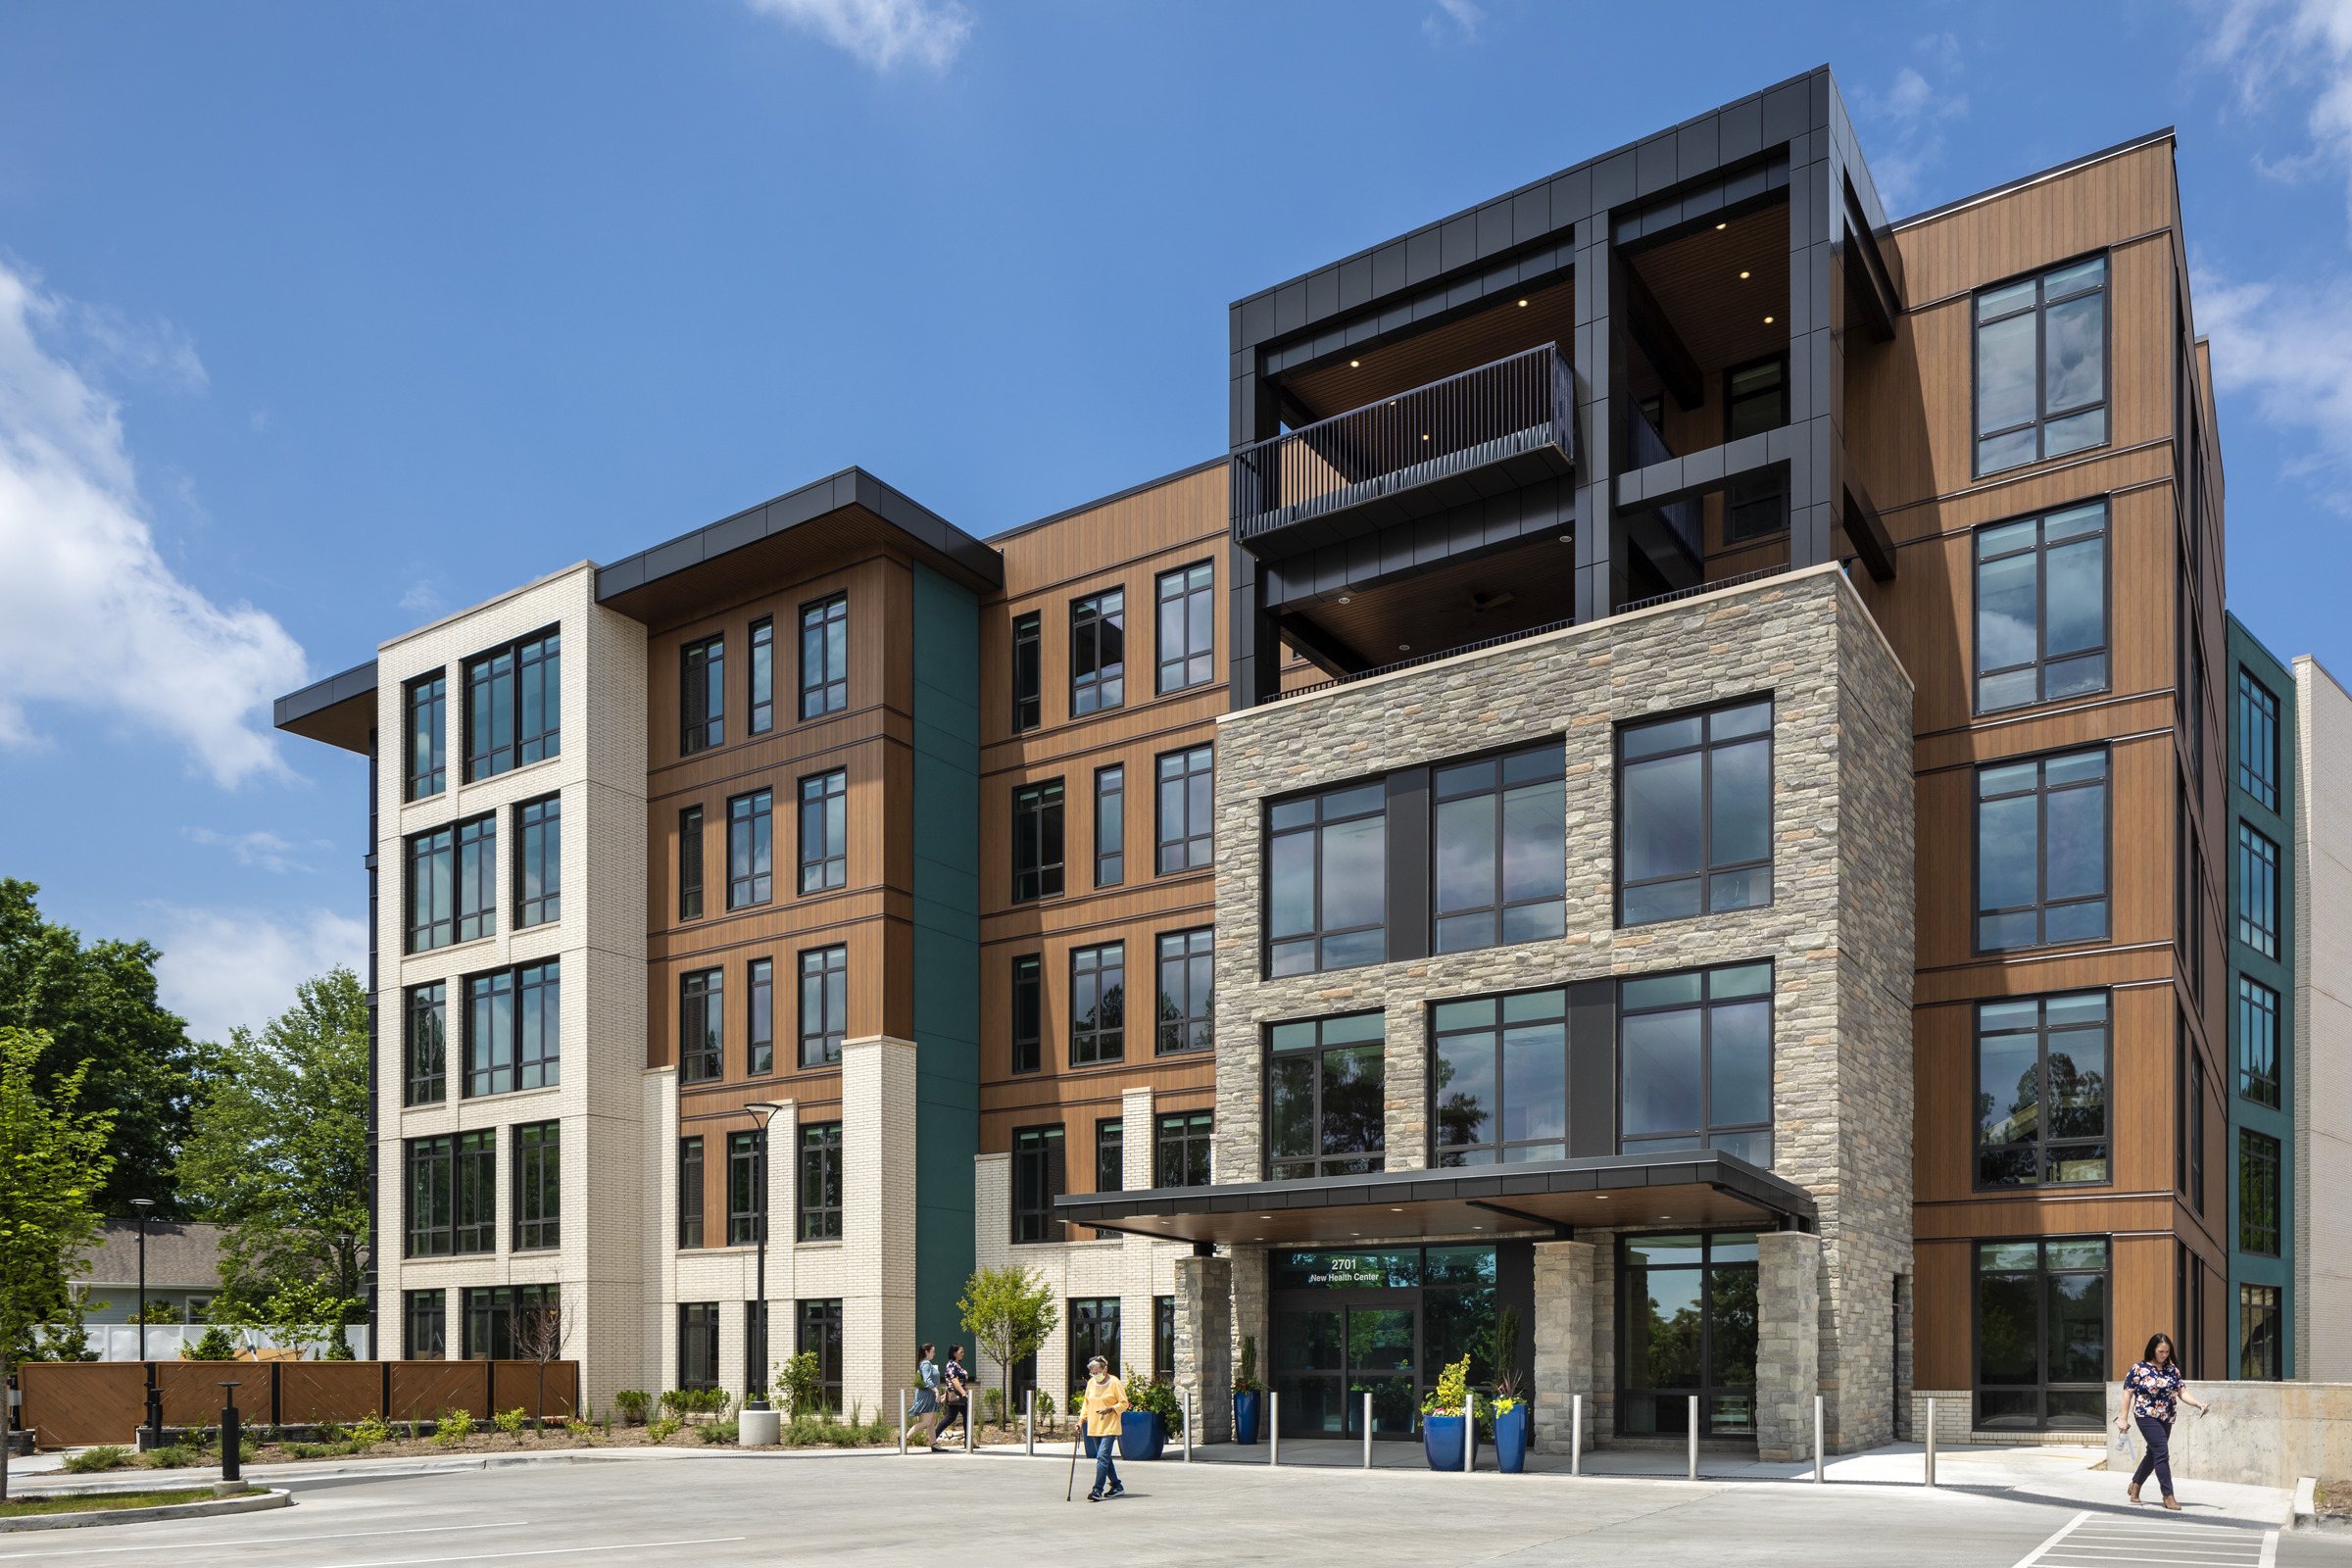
[(1106, 1474), (2154, 1437), (951, 1411)]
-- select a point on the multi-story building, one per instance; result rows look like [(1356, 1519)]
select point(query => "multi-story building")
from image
[(1660, 792), (2319, 1098)]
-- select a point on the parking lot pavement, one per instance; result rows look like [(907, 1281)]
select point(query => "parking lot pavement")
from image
[(1002, 1510)]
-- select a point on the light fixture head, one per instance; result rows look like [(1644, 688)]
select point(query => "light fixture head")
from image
[(1768, 320), (1718, 225), (1404, 648), (142, 1202), (1393, 1211), (1742, 274), (1523, 305), (1354, 365), (1343, 597)]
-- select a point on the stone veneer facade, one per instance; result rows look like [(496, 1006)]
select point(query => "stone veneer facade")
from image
[(1840, 930)]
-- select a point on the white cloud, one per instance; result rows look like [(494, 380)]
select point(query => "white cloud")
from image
[(263, 848), (2278, 49), (2289, 346), (1465, 16), (881, 33), (225, 967), (422, 598), (1908, 121), (89, 614)]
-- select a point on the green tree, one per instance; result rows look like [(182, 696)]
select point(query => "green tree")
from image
[(53, 1162), (279, 1158), (94, 1003), (1008, 1312)]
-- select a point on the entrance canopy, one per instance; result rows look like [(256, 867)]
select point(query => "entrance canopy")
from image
[(1691, 1189)]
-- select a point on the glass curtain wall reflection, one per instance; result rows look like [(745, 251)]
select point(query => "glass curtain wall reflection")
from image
[(1695, 798), (1498, 1078), (1688, 1320), (2042, 608), (1325, 1108), (1382, 1322), (1327, 865), (1695, 1062), (2041, 1091), (1501, 841)]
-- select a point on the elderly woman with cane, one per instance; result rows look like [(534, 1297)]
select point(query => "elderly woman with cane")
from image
[(2154, 1392), (1106, 1399)]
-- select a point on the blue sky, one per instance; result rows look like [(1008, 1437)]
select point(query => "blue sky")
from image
[(319, 321)]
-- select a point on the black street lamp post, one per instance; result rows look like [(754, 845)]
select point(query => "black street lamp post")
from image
[(766, 1110), (155, 1392)]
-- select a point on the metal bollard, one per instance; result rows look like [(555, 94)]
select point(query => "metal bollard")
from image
[(231, 1439), (1367, 1429), (1695, 1437), (1188, 1426), (1469, 1433), (902, 1421), (1930, 1443), (970, 1401), (1273, 1427), (1818, 1477), (1029, 1420), (1576, 1435)]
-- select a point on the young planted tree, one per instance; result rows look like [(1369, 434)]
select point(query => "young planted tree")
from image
[(279, 1156), (541, 1331), (1009, 1313), (53, 1165)]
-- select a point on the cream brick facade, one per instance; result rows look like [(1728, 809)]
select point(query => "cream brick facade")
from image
[(2323, 1049)]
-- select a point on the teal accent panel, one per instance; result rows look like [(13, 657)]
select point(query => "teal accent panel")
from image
[(947, 950)]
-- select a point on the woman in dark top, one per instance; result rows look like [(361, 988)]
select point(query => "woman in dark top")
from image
[(955, 1403), (2153, 1393)]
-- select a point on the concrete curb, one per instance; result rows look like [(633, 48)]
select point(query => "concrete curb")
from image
[(153, 1480), (275, 1498)]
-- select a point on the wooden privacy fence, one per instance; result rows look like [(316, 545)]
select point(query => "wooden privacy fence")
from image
[(73, 1403)]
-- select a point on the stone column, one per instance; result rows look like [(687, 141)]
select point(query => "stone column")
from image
[(1787, 1343), (1563, 1341), (1250, 1310), (1204, 1343)]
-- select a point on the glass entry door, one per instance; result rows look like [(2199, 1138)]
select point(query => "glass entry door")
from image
[(1326, 1358)]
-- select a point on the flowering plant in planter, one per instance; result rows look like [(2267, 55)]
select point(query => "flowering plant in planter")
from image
[(1246, 1380), (1452, 1395)]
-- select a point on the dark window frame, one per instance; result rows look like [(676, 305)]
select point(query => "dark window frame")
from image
[(2044, 1385), (1186, 1023), (819, 1182), (701, 1012), (1039, 832), (459, 862), (523, 1045), (2042, 790), (1110, 825), (1317, 935), (697, 1345), (2040, 550), (429, 1183), (1098, 1032), (1705, 748), (1494, 1148), (1039, 1171), (1186, 779), (1183, 1148), (1163, 1339), (759, 717), (2043, 416), (1737, 1138), (538, 1184), (746, 1179), (476, 1204), (496, 744), (1094, 1329), (1028, 673), (1028, 1012), (823, 841), (703, 695), (2257, 902), (825, 632), (690, 1192), (2047, 1150), (760, 1018), (1713, 1387), (426, 1079), (1778, 358), (539, 861), (424, 1325), (2257, 740), (752, 849), (1192, 666), (2258, 1077), (816, 1330), (690, 860), (424, 723), (2261, 1326), (1323, 1161), (1501, 909), (1110, 1154), (828, 967), (2261, 1192), (1098, 685)]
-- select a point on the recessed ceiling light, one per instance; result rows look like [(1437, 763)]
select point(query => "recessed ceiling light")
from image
[(1603, 1196), (1395, 1210), (1768, 320), (1478, 1227), (1343, 597), (1425, 435), (1355, 363), (1265, 1216), (1404, 648), (1257, 1237), (1742, 274), (1523, 304), (1718, 225), (1567, 538)]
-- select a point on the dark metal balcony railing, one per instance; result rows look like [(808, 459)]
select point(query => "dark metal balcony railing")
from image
[(1496, 412)]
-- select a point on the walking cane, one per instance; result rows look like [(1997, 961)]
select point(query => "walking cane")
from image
[(1069, 1492)]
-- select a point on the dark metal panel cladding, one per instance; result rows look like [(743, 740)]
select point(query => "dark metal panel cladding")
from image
[(1531, 215), (1457, 243), (1786, 112), (1421, 256), (1613, 182), (1740, 129), (1592, 1069), (1494, 228), (1290, 308), (1322, 294), (1694, 148), (1654, 164), (1409, 863)]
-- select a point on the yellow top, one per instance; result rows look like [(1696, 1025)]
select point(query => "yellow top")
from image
[(1105, 1398)]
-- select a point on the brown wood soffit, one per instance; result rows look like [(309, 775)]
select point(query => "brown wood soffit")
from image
[(339, 711), (1700, 1189)]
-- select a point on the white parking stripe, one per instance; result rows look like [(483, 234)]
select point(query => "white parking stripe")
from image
[(2269, 1548), (544, 1551), (246, 1543), (2060, 1534)]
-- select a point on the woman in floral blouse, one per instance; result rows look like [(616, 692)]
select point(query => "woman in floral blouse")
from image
[(2155, 1390)]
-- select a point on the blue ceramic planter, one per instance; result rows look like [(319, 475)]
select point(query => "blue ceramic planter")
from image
[(1511, 1431), (1442, 1441), (1244, 1418), (1143, 1434)]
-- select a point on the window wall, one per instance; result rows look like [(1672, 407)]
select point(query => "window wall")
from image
[(427, 1034), (513, 1034), (513, 706), (538, 1184), (2042, 608), (1694, 1062), (820, 1181), (1695, 802), (1326, 869), (1325, 1099), (538, 862), (2042, 366), (2041, 1331), (1498, 1078), (2042, 852), (2041, 1091), (1036, 1179), (427, 700), (1687, 1320), (1501, 840)]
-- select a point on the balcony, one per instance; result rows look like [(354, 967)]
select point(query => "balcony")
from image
[(1473, 435)]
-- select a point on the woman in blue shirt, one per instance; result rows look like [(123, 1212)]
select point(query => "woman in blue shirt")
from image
[(2153, 1393)]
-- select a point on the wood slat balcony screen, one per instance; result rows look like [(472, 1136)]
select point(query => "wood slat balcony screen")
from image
[(1481, 417)]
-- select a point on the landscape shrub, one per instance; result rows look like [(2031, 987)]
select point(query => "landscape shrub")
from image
[(454, 1428), (510, 1422), (104, 1456)]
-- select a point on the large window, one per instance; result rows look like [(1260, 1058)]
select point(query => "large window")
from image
[(1028, 678), (538, 1184), (429, 1045), (751, 850), (690, 1192), (1188, 614), (825, 1004), (747, 1188), (1755, 397), (2261, 1325), (690, 863), (2257, 892), (426, 1316), (427, 701), (2041, 1091), (1327, 865), (697, 1345), (820, 1181), (2257, 1193), (1163, 1339), (1501, 861), (512, 1029), (2256, 741), (1187, 1010), (477, 1193), (1694, 1062), (1180, 1150), (2257, 1042), (825, 657), (1028, 1012), (1695, 799), (1097, 651), (1094, 1331), (1110, 826), (1690, 1327), (495, 1314), (819, 1335), (759, 1044), (1185, 821), (2042, 852), (2041, 1334), (702, 1025), (2042, 366), (2042, 608), (702, 695), (539, 862), (1498, 1078), (1326, 1108), (764, 676), (453, 884), (514, 708), (1110, 1154), (1036, 1179), (432, 1192), (1037, 842), (1098, 1005)]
